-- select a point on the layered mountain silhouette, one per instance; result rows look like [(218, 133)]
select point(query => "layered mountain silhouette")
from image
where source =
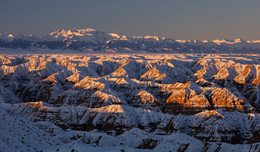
[(91, 40)]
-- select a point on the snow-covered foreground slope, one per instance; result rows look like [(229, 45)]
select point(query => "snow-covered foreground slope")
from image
[(130, 102)]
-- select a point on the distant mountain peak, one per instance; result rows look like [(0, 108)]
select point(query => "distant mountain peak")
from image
[(72, 32), (93, 40)]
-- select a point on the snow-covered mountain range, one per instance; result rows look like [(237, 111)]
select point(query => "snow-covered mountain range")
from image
[(91, 40), (122, 102)]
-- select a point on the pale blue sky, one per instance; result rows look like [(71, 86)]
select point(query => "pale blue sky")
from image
[(179, 19)]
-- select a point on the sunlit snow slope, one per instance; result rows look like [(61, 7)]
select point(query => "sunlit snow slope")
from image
[(152, 102)]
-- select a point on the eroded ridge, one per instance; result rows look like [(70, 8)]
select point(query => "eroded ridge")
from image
[(213, 98)]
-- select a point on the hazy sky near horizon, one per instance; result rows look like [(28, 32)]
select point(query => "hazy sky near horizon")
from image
[(178, 19)]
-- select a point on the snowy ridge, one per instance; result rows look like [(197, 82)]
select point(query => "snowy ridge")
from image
[(152, 102), (91, 40)]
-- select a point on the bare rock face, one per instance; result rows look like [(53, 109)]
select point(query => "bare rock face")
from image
[(186, 98), (214, 98), (146, 100)]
